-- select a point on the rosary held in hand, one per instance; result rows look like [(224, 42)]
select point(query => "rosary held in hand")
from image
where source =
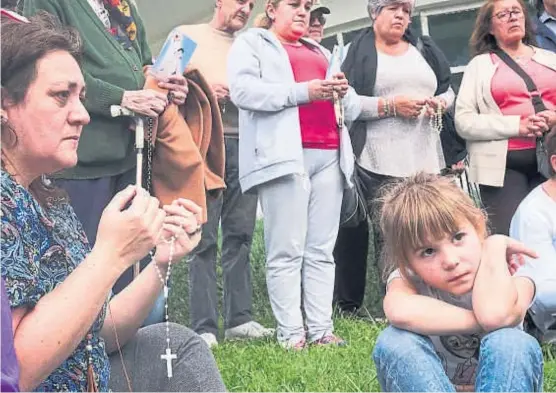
[(168, 356)]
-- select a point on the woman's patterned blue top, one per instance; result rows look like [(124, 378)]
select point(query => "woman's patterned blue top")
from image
[(40, 248)]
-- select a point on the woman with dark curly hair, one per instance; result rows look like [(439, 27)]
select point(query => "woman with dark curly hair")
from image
[(65, 320)]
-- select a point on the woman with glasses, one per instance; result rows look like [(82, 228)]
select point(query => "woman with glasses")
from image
[(495, 111)]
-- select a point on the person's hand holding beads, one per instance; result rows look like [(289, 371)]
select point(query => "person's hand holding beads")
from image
[(129, 227), (183, 224)]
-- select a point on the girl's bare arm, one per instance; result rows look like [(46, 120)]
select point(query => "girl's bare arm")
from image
[(406, 309), (499, 299)]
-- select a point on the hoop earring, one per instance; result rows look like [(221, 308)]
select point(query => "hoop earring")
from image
[(9, 136)]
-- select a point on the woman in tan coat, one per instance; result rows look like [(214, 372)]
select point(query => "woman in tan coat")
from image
[(495, 112)]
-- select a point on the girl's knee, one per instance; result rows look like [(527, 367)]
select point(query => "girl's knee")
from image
[(511, 340), (394, 343), (510, 360)]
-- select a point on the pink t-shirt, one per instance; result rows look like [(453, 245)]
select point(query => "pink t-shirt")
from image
[(317, 119), (510, 93)]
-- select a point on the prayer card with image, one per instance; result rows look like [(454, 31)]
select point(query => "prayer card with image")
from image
[(174, 56)]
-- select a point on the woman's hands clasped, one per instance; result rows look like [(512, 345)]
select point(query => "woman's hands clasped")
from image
[(133, 224), (435, 105), (538, 124), (411, 107), (323, 90), (408, 108), (183, 225)]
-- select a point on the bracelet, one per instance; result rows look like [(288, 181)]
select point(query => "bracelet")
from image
[(386, 107), (394, 107)]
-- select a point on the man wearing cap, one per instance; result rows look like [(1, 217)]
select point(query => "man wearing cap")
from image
[(317, 21)]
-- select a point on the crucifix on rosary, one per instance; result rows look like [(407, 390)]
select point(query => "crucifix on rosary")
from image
[(116, 111), (169, 356)]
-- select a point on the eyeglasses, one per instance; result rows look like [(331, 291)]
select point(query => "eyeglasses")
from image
[(507, 14), (319, 17)]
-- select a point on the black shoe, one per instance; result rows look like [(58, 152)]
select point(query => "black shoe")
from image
[(361, 314)]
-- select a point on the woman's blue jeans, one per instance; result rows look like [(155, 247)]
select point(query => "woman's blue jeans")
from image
[(510, 360)]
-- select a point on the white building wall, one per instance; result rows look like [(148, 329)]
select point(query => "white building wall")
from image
[(160, 16), (449, 22)]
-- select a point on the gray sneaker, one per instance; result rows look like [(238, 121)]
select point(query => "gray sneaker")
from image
[(249, 330)]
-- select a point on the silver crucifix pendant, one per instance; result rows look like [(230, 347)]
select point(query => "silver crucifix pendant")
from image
[(168, 357)]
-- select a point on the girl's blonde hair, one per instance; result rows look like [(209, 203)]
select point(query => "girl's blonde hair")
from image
[(263, 20), (419, 210)]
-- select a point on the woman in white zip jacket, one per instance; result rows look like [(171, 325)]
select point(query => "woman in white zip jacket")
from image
[(294, 154)]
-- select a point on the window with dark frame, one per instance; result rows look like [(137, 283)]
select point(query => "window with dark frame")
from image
[(452, 32)]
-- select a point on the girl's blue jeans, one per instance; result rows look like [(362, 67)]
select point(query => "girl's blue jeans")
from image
[(510, 360)]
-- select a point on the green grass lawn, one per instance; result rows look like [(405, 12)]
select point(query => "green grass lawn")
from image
[(265, 366)]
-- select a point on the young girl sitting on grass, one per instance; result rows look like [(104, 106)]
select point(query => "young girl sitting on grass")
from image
[(455, 300)]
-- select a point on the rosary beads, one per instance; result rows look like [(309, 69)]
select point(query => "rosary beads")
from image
[(435, 120), (168, 356)]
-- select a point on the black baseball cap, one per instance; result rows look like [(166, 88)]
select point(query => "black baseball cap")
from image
[(318, 6)]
